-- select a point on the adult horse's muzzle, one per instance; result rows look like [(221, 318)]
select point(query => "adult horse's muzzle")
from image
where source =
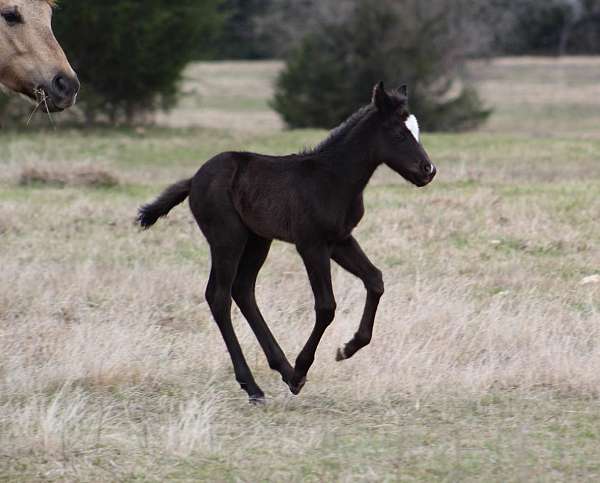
[(59, 95)]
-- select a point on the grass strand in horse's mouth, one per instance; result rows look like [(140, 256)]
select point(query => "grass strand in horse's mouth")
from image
[(41, 98)]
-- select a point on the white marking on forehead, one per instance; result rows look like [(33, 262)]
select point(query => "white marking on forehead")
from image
[(413, 126)]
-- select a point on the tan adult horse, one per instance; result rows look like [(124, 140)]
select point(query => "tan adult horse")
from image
[(31, 60)]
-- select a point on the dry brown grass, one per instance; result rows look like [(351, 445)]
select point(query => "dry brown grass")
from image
[(485, 365)]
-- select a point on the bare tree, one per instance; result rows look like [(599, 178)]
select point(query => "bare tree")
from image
[(482, 28), (287, 22)]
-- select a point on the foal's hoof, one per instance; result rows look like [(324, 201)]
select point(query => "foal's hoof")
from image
[(258, 400), (297, 387), (341, 354)]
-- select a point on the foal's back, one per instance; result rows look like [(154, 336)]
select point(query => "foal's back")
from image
[(272, 195)]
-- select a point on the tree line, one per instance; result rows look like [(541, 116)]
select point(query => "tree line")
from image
[(130, 54), (270, 28)]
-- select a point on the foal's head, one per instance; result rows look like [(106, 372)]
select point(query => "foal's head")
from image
[(31, 60), (398, 143)]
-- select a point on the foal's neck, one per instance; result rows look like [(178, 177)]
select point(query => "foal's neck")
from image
[(354, 159)]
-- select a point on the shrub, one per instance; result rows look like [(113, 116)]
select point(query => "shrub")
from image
[(130, 54), (329, 75)]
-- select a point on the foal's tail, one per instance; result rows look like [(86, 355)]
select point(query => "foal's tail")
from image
[(169, 199)]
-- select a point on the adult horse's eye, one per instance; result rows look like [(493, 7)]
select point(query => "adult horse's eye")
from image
[(12, 17)]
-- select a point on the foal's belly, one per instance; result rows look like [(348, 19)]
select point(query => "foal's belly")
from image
[(269, 232), (267, 218)]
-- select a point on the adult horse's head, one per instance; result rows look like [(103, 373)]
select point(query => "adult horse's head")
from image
[(399, 146), (31, 60)]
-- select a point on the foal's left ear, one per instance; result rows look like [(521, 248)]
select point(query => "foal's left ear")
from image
[(381, 100), (403, 90)]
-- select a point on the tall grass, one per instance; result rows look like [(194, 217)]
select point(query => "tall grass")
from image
[(111, 367)]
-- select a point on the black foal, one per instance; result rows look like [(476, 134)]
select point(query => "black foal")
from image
[(242, 201)]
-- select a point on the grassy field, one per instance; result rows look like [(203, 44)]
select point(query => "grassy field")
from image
[(485, 364)]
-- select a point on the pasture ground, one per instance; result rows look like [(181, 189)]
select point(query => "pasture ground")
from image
[(485, 365)]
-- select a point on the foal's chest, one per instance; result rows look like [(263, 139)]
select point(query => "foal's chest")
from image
[(354, 215), (345, 221)]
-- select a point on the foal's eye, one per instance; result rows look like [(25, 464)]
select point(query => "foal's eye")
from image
[(12, 17)]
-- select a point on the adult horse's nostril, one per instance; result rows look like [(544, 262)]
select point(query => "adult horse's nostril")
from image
[(65, 86), (63, 91), (61, 85)]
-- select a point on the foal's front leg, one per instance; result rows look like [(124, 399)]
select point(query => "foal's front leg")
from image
[(350, 256), (317, 260)]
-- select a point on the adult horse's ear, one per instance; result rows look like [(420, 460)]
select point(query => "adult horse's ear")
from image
[(403, 90), (381, 100)]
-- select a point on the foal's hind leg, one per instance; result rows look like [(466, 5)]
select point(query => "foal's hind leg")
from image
[(350, 256), (252, 261), (225, 260)]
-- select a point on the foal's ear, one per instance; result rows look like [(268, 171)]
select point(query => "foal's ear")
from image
[(381, 100), (403, 90)]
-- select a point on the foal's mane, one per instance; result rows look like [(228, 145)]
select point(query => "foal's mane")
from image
[(338, 134)]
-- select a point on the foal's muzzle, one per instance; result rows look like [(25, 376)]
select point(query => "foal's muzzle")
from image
[(428, 172)]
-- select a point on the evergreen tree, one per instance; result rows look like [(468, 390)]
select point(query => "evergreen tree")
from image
[(329, 75), (129, 54)]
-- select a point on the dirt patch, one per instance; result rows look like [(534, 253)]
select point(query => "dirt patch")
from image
[(84, 176)]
